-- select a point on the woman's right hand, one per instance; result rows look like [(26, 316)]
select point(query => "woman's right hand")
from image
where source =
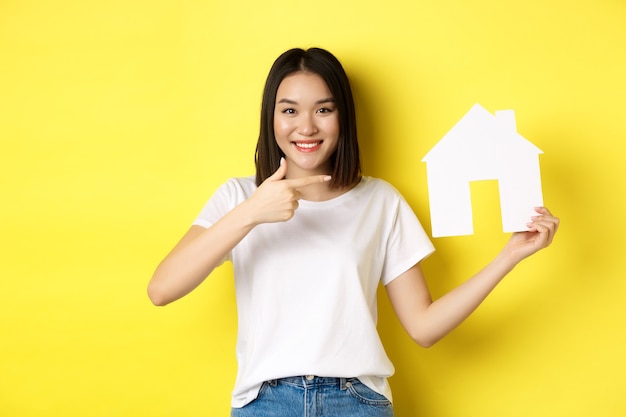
[(276, 199), (201, 250)]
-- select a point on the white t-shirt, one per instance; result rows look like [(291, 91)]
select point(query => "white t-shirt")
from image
[(306, 288)]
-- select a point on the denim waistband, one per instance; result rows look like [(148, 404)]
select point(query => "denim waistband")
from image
[(307, 381)]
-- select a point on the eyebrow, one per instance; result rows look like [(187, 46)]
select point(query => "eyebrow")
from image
[(322, 101)]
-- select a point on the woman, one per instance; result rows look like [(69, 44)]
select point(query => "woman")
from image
[(310, 240)]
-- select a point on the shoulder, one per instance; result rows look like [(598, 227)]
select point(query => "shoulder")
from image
[(379, 187), (238, 185), (234, 190)]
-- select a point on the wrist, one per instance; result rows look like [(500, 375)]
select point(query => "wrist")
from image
[(506, 261), (245, 214)]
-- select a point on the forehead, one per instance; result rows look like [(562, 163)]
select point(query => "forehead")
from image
[(303, 85)]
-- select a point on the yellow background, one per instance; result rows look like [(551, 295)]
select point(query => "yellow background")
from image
[(118, 119)]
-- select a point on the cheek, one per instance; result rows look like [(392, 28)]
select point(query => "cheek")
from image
[(332, 126), (281, 127)]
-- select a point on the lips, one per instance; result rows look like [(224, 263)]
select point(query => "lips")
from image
[(307, 146)]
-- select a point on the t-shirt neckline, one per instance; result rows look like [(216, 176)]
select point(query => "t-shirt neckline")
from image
[(335, 200)]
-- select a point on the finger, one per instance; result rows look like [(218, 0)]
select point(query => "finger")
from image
[(543, 211), (538, 227), (303, 182), (545, 214), (546, 229), (542, 223), (280, 173), (547, 220)]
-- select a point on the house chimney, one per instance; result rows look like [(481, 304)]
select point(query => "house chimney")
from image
[(506, 119)]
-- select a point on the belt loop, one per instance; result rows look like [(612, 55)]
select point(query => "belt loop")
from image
[(342, 384)]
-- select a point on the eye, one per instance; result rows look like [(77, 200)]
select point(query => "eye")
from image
[(325, 110), (288, 111)]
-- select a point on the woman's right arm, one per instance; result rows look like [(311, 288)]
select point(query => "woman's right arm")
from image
[(201, 250), (196, 255)]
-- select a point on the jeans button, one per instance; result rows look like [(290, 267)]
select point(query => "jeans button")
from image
[(310, 377)]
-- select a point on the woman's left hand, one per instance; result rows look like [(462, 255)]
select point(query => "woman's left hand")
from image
[(541, 231)]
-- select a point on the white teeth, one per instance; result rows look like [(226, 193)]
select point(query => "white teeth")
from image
[(307, 145)]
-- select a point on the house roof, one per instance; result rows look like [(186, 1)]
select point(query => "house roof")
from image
[(480, 133)]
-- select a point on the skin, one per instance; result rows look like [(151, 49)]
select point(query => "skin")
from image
[(306, 124), (427, 321), (306, 129)]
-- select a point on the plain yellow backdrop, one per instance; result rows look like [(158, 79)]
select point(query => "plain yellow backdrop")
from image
[(118, 119)]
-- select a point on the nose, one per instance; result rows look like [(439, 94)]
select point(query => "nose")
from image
[(307, 126)]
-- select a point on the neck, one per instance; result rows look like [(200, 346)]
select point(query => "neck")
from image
[(320, 192)]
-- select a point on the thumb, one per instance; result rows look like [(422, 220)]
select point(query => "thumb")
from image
[(280, 173)]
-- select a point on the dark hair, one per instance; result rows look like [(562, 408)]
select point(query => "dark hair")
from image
[(345, 160)]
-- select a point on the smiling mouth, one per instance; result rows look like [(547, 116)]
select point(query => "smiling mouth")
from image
[(307, 146)]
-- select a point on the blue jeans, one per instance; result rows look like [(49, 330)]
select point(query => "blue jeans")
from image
[(311, 396)]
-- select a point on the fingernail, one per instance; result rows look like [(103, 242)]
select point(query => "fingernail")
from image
[(282, 160), (328, 178)]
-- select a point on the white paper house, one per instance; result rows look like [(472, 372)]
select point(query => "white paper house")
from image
[(482, 146)]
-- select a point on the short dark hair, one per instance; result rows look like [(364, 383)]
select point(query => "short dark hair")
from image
[(346, 159)]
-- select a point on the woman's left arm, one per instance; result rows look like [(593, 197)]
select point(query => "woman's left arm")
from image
[(428, 321)]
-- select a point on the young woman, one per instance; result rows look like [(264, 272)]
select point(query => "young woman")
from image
[(310, 240)]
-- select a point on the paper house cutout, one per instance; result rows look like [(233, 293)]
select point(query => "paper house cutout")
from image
[(482, 146)]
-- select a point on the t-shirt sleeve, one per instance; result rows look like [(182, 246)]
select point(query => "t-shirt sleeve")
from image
[(220, 203), (407, 245)]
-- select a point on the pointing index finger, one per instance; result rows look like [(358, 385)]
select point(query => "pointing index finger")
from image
[(302, 182)]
